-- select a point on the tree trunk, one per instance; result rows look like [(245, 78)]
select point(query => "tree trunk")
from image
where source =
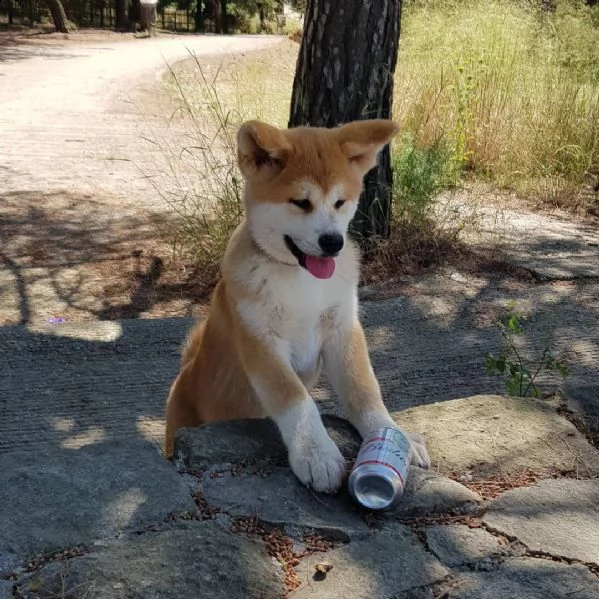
[(345, 72), (262, 19), (147, 16), (216, 16), (223, 16), (121, 22), (199, 19), (59, 16)]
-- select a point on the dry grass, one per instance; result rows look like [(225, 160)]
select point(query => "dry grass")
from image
[(196, 172), (496, 91), (511, 90), (201, 182)]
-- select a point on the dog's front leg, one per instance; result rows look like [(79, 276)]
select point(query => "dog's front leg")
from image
[(313, 456), (348, 368)]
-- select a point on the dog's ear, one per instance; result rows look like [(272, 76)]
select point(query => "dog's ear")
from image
[(260, 146), (361, 141)]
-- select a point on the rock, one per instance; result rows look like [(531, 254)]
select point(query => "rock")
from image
[(240, 487), (528, 578), (553, 516), (428, 493), (280, 499), (460, 545), (388, 563), (250, 440), (492, 435), (192, 560), (70, 498), (582, 400), (228, 442), (6, 589)]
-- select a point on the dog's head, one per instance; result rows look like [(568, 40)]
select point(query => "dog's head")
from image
[(302, 186)]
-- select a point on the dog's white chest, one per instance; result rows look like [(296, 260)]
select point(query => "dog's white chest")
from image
[(299, 308), (295, 313)]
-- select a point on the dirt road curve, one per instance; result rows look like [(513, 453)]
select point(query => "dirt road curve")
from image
[(73, 202), (64, 111)]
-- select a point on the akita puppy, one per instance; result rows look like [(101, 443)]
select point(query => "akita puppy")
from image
[(287, 300)]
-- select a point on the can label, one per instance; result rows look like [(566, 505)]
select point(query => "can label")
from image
[(387, 447)]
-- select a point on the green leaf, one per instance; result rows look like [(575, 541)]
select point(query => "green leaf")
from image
[(491, 364), (512, 387), (563, 369)]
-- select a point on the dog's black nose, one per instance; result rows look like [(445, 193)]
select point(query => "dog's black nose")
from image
[(331, 243)]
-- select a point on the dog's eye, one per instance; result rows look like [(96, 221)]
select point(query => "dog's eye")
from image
[(305, 205), (339, 203)]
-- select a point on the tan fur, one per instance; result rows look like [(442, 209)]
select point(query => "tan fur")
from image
[(270, 323)]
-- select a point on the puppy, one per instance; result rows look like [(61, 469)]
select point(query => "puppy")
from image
[(287, 300)]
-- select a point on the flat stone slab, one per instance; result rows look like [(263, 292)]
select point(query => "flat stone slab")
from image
[(281, 499), (560, 517), (428, 493), (459, 545), (250, 440), (196, 560), (384, 564), (554, 247), (242, 461), (494, 435), (71, 498), (6, 589), (528, 578)]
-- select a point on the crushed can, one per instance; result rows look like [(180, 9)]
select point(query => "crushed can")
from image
[(379, 475)]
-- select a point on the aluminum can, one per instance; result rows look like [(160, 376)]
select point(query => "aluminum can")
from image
[(379, 475)]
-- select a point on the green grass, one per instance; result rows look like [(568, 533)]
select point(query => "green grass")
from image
[(512, 90)]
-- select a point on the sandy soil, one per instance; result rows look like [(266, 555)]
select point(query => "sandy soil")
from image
[(77, 213)]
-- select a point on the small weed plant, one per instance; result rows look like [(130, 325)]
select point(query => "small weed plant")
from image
[(520, 379), (421, 234), (419, 174)]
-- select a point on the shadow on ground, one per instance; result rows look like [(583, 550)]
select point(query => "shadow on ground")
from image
[(76, 261), (82, 421)]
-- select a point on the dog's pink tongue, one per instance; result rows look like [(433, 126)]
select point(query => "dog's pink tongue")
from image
[(321, 268)]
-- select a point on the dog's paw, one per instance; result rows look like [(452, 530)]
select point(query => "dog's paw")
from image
[(318, 464), (420, 455)]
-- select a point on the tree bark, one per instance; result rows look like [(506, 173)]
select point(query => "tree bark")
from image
[(121, 22), (59, 16), (345, 72), (199, 19), (147, 16), (223, 16), (216, 16)]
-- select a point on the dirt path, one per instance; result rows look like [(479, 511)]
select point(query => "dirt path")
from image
[(64, 109), (73, 204)]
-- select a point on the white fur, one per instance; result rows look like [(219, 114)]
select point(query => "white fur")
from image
[(313, 456)]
